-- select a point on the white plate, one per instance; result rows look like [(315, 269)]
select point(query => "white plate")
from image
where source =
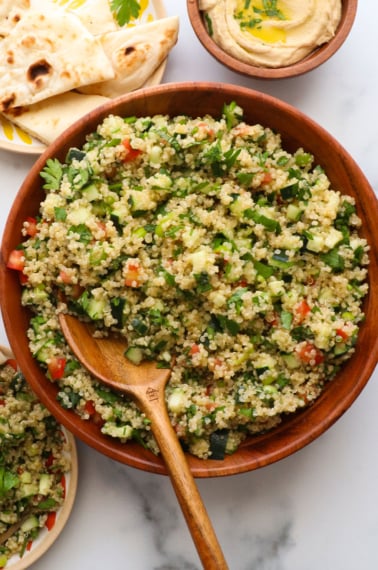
[(46, 537), (14, 139)]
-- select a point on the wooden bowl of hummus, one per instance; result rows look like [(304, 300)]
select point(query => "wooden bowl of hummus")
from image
[(272, 39)]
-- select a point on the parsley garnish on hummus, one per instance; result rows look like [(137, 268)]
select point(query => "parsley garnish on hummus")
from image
[(125, 10)]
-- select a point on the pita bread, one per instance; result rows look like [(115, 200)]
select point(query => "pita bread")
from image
[(47, 119), (46, 53), (135, 53), (10, 14), (96, 16)]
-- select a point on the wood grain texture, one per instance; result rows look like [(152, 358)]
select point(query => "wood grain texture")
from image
[(297, 130), (316, 58), (105, 359)]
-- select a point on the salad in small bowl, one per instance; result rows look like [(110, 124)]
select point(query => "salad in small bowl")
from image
[(38, 471)]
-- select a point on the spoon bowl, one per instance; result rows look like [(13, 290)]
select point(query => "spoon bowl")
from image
[(145, 383)]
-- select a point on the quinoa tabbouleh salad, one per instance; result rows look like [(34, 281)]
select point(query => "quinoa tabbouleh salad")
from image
[(216, 252), (34, 458)]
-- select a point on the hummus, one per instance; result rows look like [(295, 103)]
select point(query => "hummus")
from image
[(271, 33)]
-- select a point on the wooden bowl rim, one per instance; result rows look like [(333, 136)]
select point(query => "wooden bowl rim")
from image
[(292, 434), (312, 61)]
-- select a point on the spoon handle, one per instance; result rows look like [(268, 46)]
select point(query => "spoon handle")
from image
[(194, 511)]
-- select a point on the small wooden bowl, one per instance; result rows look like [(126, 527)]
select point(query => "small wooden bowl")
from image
[(312, 61), (297, 130)]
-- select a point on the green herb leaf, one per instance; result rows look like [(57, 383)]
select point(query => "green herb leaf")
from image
[(203, 282), (52, 173), (84, 233), (334, 260), (125, 10)]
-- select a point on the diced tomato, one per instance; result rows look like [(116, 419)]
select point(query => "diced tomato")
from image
[(194, 349), (95, 416), (16, 260), (302, 310), (273, 319), (30, 226), (342, 334), (89, 407), (50, 521), (131, 153), (29, 545), (2, 402), (50, 460), (132, 275), (23, 278), (267, 178), (206, 129), (65, 277), (56, 367), (12, 362), (310, 354)]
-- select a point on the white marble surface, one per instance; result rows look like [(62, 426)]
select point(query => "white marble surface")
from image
[(315, 510)]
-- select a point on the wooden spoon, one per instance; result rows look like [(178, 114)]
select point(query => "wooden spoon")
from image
[(145, 383)]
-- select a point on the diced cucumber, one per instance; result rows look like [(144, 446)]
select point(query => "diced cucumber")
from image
[(123, 432), (177, 401), (96, 308), (34, 296), (29, 524), (291, 361), (43, 352), (3, 560), (340, 348), (316, 244), (117, 306), (79, 216), (237, 208), (134, 354), (293, 212), (141, 200), (332, 238), (120, 212), (218, 444), (91, 193), (199, 260), (45, 483), (28, 489), (25, 477)]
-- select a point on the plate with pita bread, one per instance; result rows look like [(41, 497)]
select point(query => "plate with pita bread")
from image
[(59, 59)]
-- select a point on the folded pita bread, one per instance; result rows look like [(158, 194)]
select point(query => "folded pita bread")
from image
[(46, 53), (10, 14), (47, 119), (135, 53)]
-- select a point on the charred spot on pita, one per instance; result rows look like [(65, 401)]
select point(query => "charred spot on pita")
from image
[(129, 50), (38, 70), (5, 104)]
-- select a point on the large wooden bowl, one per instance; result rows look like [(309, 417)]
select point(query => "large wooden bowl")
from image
[(312, 61), (196, 99)]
